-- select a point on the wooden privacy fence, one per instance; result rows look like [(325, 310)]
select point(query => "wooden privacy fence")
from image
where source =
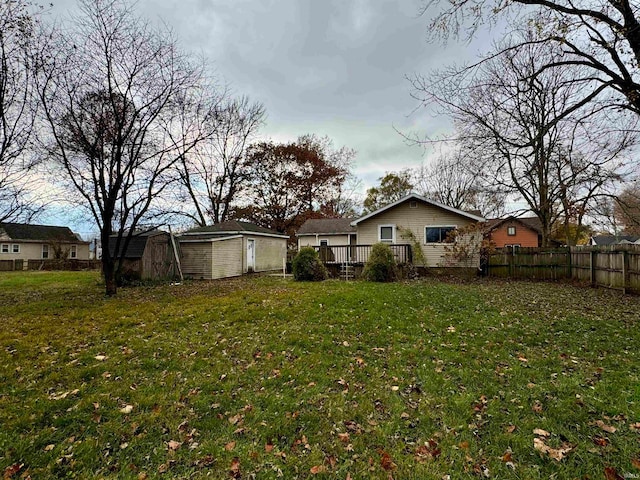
[(615, 266)]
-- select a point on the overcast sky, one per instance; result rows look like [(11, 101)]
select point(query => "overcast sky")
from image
[(328, 67)]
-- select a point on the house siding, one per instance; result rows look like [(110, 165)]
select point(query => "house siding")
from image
[(415, 220), (269, 253), (334, 240), (196, 260), (33, 250), (524, 236)]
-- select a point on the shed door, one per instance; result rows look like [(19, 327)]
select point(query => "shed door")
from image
[(251, 254)]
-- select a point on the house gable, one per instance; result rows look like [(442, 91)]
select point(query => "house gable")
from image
[(514, 231)]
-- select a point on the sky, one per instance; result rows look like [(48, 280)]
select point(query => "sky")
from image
[(326, 67)]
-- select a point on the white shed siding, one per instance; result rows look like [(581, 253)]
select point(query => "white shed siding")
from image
[(196, 259), (270, 252), (415, 220), (227, 258)]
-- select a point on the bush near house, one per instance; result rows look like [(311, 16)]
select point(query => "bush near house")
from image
[(381, 266), (308, 267)]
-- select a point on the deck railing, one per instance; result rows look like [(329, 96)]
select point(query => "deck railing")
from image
[(359, 254)]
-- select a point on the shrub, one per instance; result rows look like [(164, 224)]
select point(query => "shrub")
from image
[(381, 266), (307, 266)]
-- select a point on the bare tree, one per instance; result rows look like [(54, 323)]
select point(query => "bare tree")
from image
[(531, 132), (18, 109), (215, 173), (602, 36), (123, 105), (451, 180)]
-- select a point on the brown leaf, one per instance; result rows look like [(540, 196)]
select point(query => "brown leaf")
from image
[(611, 473), (636, 462), (234, 470), (386, 462), (507, 457), (173, 445), (537, 407), (600, 441), (230, 446), (11, 470), (316, 469), (268, 447), (605, 427), (344, 437), (635, 426), (554, 453), (540, 432), (143, 476), (510, 429), (427, 451), (235, 419)]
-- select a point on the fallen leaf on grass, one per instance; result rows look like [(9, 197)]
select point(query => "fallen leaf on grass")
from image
[(600, 441), (611, 473), (11, 470), (636, 462), (234, 470), (605, 427), (173, 445), (635, 426), (268, 447), (316, 469), (511, 429), (427, 451), (126, 409), (101, 358), (537, 407), (344, 437), (386, 462), (540, 432), (230, 446), (49, 447), (555, 453)]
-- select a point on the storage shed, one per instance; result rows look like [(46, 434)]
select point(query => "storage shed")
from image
[(149, 256), (230, 249)]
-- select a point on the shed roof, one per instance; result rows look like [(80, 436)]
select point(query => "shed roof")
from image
[(137, 244), (327, 226), (47, 233), (233, 227)]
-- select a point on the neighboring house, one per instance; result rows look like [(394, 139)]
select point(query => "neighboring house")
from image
[(19, 241), (514, 232), (149, 256), (413, 220), (327, 231), (606, 240), (230, 249)]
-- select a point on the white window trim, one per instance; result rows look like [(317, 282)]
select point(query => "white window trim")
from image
[(323, 240), (436, 226), (43, 249), (514, 231), (393, 233), (2, 248), (13, 250), (73, 251)]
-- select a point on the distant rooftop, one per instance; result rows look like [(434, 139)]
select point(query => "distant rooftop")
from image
[(23, 231), (327, 226)]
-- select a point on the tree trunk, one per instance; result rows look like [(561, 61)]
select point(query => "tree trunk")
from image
[(108, 271)]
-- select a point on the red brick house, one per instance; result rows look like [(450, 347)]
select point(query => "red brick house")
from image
[(514, 232)]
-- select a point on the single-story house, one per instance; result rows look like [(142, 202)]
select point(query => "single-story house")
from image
[(327, 231), (231, 248), (149, 255), (606, 240), (413, 221), (514, 231), (21, 241)]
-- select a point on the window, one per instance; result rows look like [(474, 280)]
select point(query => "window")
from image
[(324, 243), (73, 253), (45, 251), (511, 231), (5, 248), (413, 204), (387, 233), (438, 234), (15, 248)]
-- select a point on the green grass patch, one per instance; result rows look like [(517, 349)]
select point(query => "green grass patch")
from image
[(268, 378)]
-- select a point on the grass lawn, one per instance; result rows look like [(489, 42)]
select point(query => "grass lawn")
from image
[(267, 378)]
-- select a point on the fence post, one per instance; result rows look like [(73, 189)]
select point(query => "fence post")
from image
[(510, 259), (625, 271), (569, 263), (592, 268)]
